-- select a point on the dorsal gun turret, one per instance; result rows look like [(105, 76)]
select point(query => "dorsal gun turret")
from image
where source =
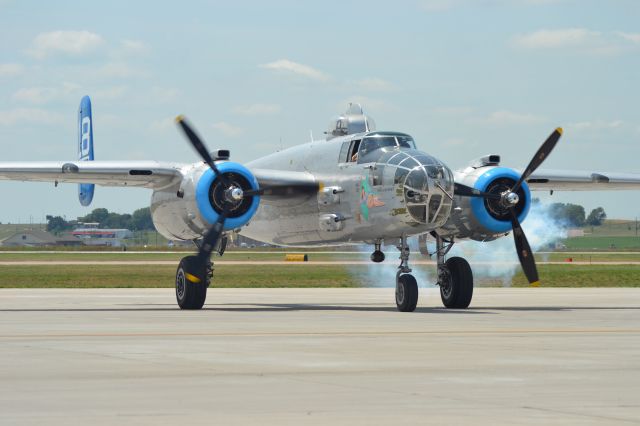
[(352, 121)]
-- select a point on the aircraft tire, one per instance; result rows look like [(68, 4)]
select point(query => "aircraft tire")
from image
[(406, 293), (188, 294), (458, 291)]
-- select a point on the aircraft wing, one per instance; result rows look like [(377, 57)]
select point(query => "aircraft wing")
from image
[(563, 180), (284, 183), (145, 174)]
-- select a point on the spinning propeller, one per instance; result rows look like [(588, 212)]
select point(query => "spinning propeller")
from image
[(231, 195), (505, 201)]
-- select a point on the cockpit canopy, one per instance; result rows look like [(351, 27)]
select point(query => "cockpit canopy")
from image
[(369, 148)]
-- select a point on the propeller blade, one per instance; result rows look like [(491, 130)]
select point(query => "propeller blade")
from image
[(525, 254), (199, 146), (541, 155), (467, 191), (284, 191), (196, 142)]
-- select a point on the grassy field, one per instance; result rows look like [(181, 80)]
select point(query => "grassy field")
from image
[(107, 276), (252, 255), (589, 242)]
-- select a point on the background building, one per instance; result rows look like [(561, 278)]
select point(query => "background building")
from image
[(91, 235), (38, 238)]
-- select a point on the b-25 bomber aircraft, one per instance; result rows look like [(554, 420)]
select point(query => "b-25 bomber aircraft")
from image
[(357, 186)]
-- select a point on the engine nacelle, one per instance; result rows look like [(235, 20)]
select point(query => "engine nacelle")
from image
[(484, 219), (188, 210)]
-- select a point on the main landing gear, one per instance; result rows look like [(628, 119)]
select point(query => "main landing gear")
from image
[(455, 278)]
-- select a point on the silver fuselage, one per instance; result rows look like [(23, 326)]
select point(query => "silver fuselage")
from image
[(358, 203)]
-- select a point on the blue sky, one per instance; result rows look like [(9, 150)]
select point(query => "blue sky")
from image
[(465, 78)]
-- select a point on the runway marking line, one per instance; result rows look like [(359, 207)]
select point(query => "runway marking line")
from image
[(338, 333)]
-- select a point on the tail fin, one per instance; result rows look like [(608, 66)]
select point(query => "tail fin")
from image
[(85, 147)]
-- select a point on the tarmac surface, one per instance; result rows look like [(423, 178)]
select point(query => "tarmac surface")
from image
[(319, 356)]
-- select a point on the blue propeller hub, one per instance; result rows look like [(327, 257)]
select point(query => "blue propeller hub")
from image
[(495, 215), (212, 195)]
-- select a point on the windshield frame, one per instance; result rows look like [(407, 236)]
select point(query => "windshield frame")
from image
[(398, 138)]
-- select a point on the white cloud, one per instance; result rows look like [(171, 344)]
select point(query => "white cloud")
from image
[(163, 125), (554, 39), (73, 43), (29, 116), (109, 93), (164, 94), (375, 85), (504, 117), (632, 37), (578, 39), (133, 46), (439, 5), (257, 109), (444, 5), (366, 103), (453, 111), (228, 129), (35, 95), (10, 70), (43, 95), (595, 125), (117, 70), (285, 65)]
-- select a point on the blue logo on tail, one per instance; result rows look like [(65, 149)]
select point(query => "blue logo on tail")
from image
[(85, 147)]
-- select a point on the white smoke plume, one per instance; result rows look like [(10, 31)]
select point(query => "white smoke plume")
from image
[(494, 261), (498, 259)]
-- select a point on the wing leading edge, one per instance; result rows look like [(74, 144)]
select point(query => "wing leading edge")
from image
[(563, 180), (143, 174)]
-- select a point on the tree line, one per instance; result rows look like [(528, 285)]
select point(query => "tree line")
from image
[(572, 215), (139, 220)]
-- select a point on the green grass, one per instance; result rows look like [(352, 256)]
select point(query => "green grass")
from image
[(142, 256), (106, 276), (603, 243)]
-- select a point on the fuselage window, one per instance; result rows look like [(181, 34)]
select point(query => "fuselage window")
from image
[(353, 153), (344, 153)]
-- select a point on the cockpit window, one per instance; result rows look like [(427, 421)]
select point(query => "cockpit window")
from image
[(374, 142), (371, 144), (405, 141)]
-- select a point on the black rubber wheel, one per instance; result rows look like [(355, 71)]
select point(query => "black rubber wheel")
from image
[(377, 256), (457, 289), (406, 293), (189, 295)]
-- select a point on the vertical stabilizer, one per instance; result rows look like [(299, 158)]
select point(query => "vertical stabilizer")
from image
[(85, 147)]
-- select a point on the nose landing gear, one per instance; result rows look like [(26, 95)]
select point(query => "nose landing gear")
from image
[(406, 285)]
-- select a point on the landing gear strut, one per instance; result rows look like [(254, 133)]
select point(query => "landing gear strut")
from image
[(406, 285), (454, 277)]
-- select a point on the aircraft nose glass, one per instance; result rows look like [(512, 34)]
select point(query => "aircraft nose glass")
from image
[(425, 190)]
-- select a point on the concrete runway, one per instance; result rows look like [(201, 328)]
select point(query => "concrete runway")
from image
[(319, 356)]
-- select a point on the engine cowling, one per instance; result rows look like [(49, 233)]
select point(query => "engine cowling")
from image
[(188, 210), (485, 219)]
